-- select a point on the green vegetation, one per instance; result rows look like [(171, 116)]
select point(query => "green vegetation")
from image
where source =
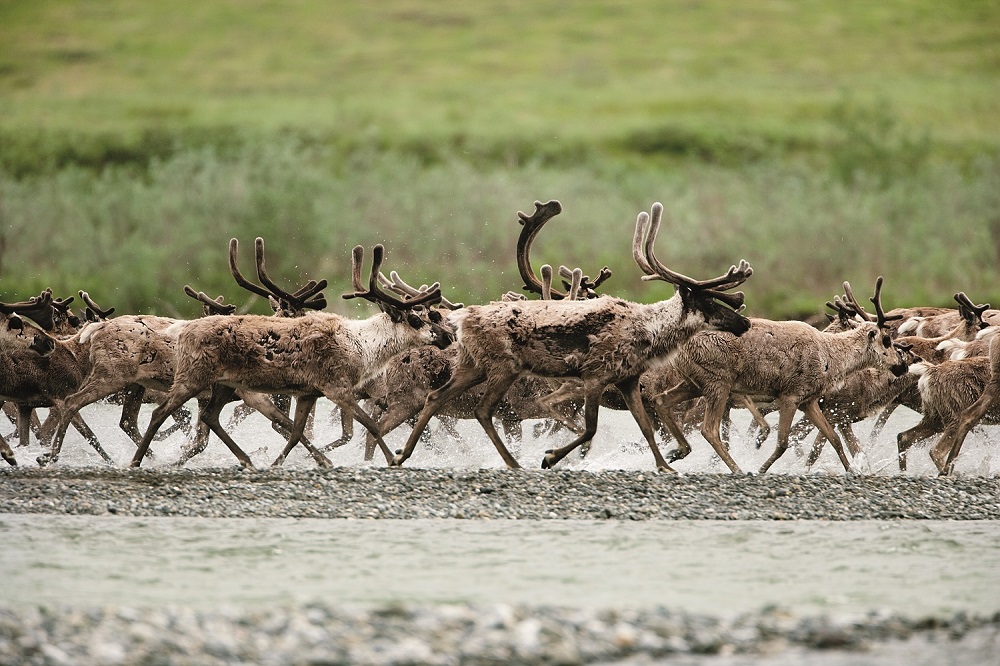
[(822, 141)]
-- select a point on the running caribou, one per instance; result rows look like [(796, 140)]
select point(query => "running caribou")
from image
[(317, 354), (602, 341), (789, 362), (139, 351)]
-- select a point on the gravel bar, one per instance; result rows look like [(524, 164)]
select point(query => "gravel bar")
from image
[(465, 634), (468, 634), (352, 492)]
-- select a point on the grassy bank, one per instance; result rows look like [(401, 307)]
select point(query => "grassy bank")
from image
[(822, 141), (134, 241)]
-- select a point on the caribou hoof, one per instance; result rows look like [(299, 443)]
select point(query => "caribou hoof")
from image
[(44, 459), (549, 460), (676, 454), (10, 460), (397, 460), (941, 462), (666, 468)]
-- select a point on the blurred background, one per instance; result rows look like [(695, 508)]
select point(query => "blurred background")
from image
[(821, 140)]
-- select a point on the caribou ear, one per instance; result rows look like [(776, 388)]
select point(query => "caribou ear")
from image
[(43, 345), (435, 317), (414, 321)]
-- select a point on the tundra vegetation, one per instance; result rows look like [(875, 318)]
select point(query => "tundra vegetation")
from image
[(133, 144)]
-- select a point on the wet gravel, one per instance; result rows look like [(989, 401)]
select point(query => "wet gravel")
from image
[(466, 634), (462, 634), (493, 493)]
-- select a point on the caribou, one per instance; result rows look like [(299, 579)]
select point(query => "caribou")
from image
[(602, 341)]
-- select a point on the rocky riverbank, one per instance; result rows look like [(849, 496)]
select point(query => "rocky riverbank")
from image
[(353, 492), (469, 634), (463, 634)]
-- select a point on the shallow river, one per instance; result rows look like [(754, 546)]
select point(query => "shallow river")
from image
[(617, 445), (915, 568), (910, 567)]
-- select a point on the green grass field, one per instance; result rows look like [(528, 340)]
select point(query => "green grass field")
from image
[(822, 141)]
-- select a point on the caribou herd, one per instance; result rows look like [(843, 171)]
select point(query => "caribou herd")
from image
[(557, 356)]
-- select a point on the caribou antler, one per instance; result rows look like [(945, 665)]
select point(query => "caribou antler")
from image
[(301, 298), (971, 311), (37, 308), (240, 280), (212, 306), (646, 227), (397, 284), (587, 287), (844, 311), (575, 277), (62, 304), (852, 303), (42, 300), (530, 226), (880, 316), (45, 297), (546, 271), (94, 311), (373, 292), (736, 275), (306, 297), (310, 295)]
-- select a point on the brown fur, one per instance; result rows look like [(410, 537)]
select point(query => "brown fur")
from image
[(401, 390), (603, 341), (862, 394), (309, 356), (33, 376), (956, 395), (789, 361)]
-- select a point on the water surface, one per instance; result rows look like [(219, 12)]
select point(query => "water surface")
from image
[(617, 445), (719, 567)]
